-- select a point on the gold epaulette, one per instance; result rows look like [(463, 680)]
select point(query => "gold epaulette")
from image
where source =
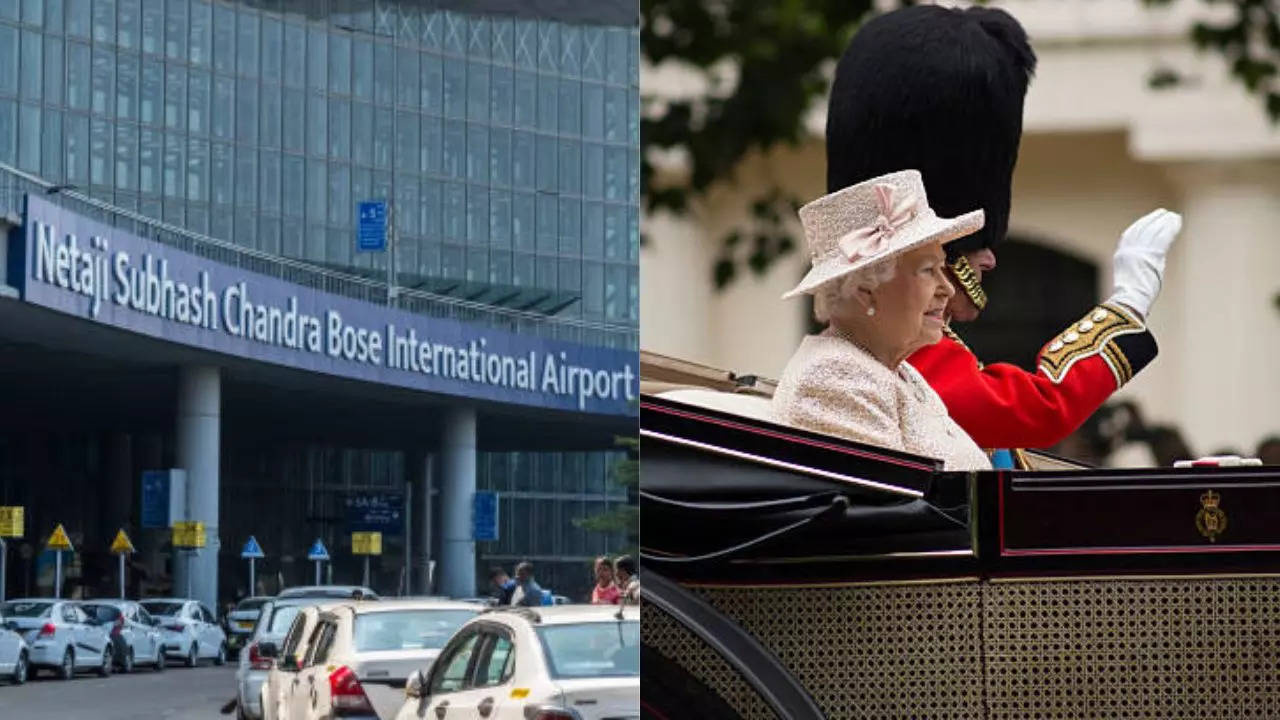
[(1092, 335)]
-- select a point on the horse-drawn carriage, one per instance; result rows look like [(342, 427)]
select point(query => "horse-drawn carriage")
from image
[(789, 574)]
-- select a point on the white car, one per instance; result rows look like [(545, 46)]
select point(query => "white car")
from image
[(359, 656), (59, 635), (282, 660), (259, 656), (563, 662), (14, 654), (190, 631)]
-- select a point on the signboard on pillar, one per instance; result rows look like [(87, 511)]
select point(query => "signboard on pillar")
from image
[(188, 534), (164, 497), (484, 516)]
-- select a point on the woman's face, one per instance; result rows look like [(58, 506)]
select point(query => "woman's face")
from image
[(910, 307), (604, 574)]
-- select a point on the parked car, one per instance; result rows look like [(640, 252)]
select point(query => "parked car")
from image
[(330, 592), (190, 631), (275, 618), (579, 662), (359, 655), (136, 638), (240, 622), (14, 654), (59, 636)]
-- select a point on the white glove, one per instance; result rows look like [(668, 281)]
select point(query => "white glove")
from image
[(1138, 265)]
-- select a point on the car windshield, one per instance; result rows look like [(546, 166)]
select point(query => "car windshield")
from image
[(251, 604), (101, 614), (282, 618), (407, 629), (14, 609), (592, 649), (160, 607)]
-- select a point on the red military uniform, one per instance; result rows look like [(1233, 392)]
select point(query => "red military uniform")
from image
[(1004, 406)]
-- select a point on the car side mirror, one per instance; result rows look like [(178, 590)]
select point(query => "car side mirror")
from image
[(290, 663), (268, 650), (416, 685)]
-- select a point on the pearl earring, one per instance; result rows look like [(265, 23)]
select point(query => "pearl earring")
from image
[(871, 311)]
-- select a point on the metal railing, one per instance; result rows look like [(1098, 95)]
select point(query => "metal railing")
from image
[(15, 184)]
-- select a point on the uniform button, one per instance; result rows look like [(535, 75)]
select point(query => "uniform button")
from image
[(1055, 346), (1100, 315), (1071, 336), (1086, 326)]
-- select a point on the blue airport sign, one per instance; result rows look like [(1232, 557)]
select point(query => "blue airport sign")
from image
[(106, 275), (155, 499), (371, 229), (375, 512), (484, 516)]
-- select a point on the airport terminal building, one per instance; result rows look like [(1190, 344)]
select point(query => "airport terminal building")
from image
[(183, 288)]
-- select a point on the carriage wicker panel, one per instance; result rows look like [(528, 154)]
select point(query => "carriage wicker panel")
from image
[(876, 651), (661, 632), (1142, 648)]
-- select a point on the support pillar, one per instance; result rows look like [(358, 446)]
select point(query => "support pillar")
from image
[(1229, 325), (457, 568), (198, 446)]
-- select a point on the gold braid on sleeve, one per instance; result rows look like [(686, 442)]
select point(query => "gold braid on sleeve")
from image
[(969, 282)]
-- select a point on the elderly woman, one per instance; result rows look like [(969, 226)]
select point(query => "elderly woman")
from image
[(879, 285)]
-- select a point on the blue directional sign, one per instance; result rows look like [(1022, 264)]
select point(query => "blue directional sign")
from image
[(371, 232), (318, 551), (155, 499), (375, 512), (484, 516), (253, 550)]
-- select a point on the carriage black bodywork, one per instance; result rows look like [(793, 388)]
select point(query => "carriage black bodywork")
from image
[(789, 574)]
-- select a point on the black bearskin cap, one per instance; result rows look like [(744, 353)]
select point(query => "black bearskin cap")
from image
[(939, 90)]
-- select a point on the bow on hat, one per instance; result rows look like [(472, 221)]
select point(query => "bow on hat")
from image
[(873, 239)]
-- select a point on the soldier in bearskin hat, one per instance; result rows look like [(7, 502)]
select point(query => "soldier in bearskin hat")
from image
[(940, 90)]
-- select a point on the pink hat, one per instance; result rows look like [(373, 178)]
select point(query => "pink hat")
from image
[(872, 222)]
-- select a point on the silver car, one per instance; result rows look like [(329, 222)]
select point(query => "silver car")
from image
[(190, 631), (60, 636), (241, 621), (136, 638), (14, 655), (274, 619), (328, 592)]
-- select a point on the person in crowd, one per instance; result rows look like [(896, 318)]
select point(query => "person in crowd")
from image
[(527, 592), (605, 592), (624, 569), (941, 90), (502, 584), (879, 283)]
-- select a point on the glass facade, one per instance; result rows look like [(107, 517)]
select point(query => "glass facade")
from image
[(507, 145)]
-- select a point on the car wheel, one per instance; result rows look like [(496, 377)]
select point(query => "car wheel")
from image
[(221, 658), (104, 668), (159, 663), (192, 657), (126, 665), (20, 669), (67, 670)]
